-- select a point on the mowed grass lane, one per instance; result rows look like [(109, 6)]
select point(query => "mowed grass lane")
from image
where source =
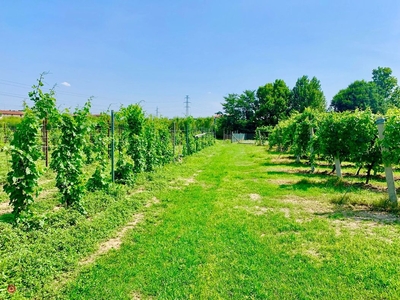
[(238, 225)]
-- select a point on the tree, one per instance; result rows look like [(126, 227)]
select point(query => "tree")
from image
[(307, 93), (395, 98), (248, 105), (240, 111), (387, 87), (386, 83), (358, 95), (273, 100)]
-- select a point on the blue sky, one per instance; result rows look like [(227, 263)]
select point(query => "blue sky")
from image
[(157, 52)]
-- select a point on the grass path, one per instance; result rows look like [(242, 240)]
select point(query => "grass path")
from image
[(236, 225)]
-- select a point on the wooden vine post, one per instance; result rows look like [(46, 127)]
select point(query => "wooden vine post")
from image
[(388, 168)]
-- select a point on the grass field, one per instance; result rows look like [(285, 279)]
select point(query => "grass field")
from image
[(231, 222)]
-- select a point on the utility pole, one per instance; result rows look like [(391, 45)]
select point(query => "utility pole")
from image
[(157, 112), (187, 105)]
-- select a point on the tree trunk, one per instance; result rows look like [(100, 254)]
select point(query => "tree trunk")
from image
[(333, 169), (369, 173), (358, 171)]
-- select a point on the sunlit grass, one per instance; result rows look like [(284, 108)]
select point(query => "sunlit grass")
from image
[(244, 229)]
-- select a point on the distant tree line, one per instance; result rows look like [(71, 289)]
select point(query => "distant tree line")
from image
[(275, 101), (379, 94)]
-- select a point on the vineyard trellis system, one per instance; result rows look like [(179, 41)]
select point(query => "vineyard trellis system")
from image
[(118, 146), (346, 136)]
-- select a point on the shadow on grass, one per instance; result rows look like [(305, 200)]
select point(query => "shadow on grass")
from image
[(332, 177), (360, 209), (7, 218), (362, 213), (305, 168), (333, 184)]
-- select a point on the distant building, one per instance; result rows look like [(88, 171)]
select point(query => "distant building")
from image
[(11, 113)]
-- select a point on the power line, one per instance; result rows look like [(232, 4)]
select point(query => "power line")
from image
[(13, 95), (27, 87), (14, 83)]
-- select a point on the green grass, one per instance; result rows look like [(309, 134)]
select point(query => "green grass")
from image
[(4, 165), (232, 222), (240, 231)]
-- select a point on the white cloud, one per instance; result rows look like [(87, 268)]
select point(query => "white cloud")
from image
[(65, 83)]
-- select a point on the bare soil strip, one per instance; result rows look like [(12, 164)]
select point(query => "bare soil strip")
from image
[(5, 208), (115, 242), (105, 247)]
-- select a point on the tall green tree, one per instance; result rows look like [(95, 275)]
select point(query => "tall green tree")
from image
[(248, 104), (307, 93), (358, 95), (386, 83), (387, 87), (239, 111), (273, 100)]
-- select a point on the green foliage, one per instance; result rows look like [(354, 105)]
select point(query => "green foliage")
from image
[(45, 103), (379, 94), (164, 149), (282, 135), (216, 245), (386, 85), (99, 152), (358, 95), (305, 125), (391, 141), (7, 127), (296, 133), (307, 94), (363, 138), (133, 120), (239, 112), (189, 145), (22, 180), (5, 134), (346, 135), (98, 181), (67, 158), (273, 100), (262, 134), (152, 145), (124, 173)]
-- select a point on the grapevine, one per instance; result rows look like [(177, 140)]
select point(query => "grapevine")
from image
[(67, 158)]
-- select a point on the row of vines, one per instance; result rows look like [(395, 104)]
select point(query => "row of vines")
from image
[(338, 137), (73, 141)]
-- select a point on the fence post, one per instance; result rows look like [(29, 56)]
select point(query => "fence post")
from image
[(112, 147), (46, 141), (187, 139), (174, 140), (388, 168)]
